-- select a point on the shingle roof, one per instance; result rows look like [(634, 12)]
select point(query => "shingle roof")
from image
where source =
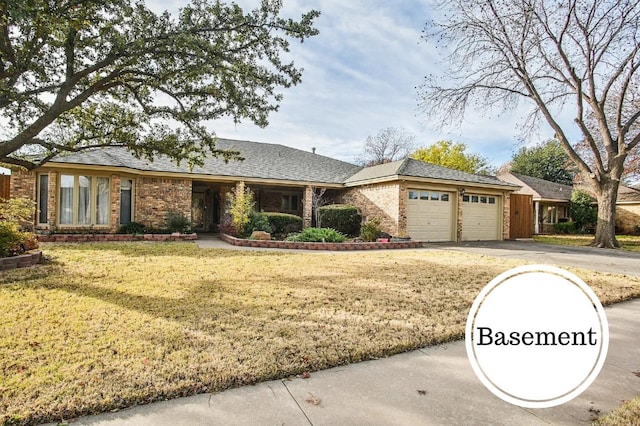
[(277, 162), (414, 168), (546, 189), (262, 161), (627, 194)]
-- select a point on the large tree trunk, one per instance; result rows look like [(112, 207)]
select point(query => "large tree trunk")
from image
[(607, 195)]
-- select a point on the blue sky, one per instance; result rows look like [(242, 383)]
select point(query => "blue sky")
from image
[(360, 75)]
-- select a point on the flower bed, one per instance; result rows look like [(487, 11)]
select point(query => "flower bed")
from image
[(319, 246), (21, 261), (92, 238)]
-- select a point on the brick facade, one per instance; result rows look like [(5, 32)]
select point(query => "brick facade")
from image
[(382, 201), (23, 185), (155, 197), (628, 218)]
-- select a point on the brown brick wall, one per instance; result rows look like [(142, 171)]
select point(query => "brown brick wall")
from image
[(380, 201), (115, 203), (23, 184), (628, 218), (155, 197)]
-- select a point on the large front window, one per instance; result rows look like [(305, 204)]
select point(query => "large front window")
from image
[(84, 200)]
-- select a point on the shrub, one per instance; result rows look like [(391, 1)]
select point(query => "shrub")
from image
[(177, 222), (343, 218), (132, 228), (564, 228), (240, 208), (317, 235), (283, 223), (257, 222), (14, 214), (582, 210), (370, 230), (226, 227)]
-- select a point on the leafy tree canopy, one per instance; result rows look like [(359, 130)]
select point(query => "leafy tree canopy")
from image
[(452, 155), (79, 74), (548, 161)]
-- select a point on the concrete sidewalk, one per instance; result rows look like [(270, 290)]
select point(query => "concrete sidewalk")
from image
[(430, 386)]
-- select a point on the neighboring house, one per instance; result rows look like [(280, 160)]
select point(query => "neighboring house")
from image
[(628, 211), (550, 200), (103, 189)]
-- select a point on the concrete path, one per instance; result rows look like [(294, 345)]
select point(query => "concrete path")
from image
[(601, 260), (430, 386)]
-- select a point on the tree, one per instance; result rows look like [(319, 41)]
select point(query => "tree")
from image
[(577, 54), (548, 161), (453, 155), (389, 144), (76, 75)]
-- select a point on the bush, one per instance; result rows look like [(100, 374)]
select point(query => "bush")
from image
[(226, 227), (283, 223), (317, 235), (343, 218), (132, 228), (582, 210), (14, 242), (370, 230), (177, 222), (564, 228), (257, 222), (240, 209)]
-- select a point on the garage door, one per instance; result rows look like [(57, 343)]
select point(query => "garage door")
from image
[(429, 215), (480, 217)]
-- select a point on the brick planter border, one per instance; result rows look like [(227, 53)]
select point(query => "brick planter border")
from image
[(319, 246), (21, 261), (94, 238)]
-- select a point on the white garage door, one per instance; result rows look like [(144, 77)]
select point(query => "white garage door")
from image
[(429, 215), (480, 217)]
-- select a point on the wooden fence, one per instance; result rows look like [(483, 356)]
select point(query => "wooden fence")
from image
[(4, 186)]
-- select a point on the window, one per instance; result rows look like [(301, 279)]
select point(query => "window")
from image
[(126, 201), (474, 198), (492, 200), (444, 197), (483, 200), (465, 198), (413, 195), (43, 199), (290, 203), (84, 200), (435, 196), (424, 195)]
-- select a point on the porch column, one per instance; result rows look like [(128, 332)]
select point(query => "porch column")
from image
[(536, 221), (307, 207)]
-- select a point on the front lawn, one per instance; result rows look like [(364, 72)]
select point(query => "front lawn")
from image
[(628, 242), (111, 325)]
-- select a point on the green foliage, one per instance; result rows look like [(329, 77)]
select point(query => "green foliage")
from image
[(240, 208), (564, 228), (257, 222), (94, 70), (547, 161), (177, 222), (342, 217), (582, 210), (14, 213), (370, 230), (17, 210), (283, 223), (317, 235), (446, 153), (132, 228)]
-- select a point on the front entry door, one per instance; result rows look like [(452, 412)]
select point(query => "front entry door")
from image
[(197, 211)]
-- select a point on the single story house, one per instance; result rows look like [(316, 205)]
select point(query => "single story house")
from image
[(103, 189), (550, 200), (628, 211)]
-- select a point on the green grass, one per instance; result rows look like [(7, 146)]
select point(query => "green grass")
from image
[(625, 415), (106, 326), (628, 242)]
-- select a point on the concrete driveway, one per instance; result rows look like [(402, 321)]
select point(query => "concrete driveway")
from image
[(601, 260)]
